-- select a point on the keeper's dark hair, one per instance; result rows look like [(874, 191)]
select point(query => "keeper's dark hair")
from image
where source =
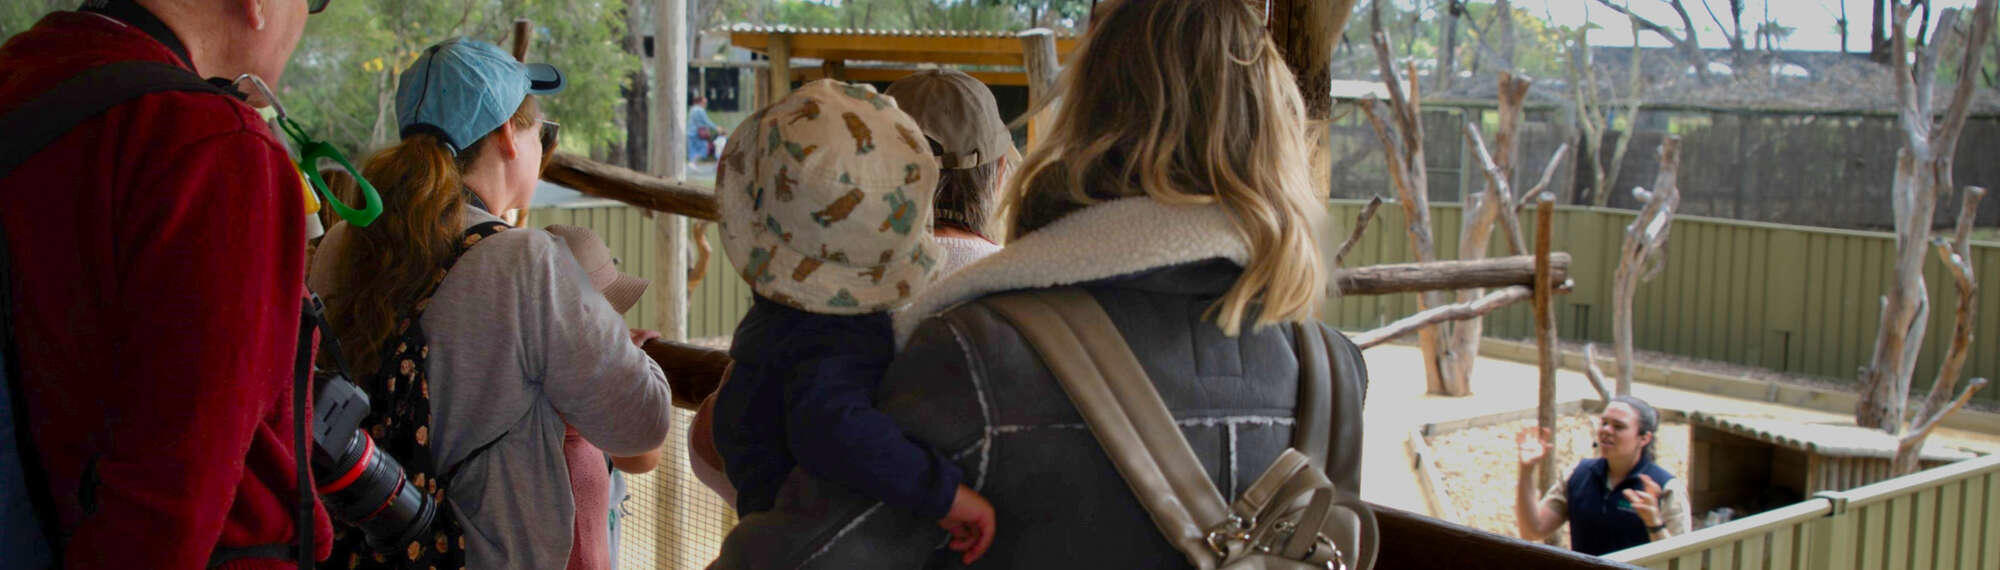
[(1649, 422)]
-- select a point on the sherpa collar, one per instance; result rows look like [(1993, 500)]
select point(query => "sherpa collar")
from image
[(1120, 237)]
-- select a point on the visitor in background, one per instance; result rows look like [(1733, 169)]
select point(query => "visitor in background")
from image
[(498, 339), (158, 261), (702, 132), (1617, 500), (974, 150)]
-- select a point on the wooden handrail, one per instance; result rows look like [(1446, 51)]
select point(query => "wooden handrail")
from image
[(1414, 541), (693, 372), (601, 180)]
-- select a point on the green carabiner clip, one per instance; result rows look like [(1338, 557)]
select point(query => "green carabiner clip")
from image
[(310, 153)]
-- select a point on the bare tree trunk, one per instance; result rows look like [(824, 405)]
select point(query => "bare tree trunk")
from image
[(1644, 240), (1479, 212), (1957, 258), (1403, 149), (1923, 173)]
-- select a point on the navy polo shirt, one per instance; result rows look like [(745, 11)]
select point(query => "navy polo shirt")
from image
[(1602, 521)]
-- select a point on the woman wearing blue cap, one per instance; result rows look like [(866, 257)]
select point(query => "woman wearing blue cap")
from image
[(477, 342)]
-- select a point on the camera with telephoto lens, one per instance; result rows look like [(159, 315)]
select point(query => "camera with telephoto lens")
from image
[(358, 482)]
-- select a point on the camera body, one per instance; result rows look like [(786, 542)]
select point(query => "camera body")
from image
[(359, 483)]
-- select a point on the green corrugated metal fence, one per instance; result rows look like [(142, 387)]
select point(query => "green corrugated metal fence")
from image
[(1789, 298), (1781, 297), (1943, 518)]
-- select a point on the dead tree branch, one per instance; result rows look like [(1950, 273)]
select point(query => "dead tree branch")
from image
[(1403, 148), (1923, 175), (1447, 275), (1458, 311), (1644, 240), (1497, 201), (1548, 174), (1593, 372), (1909, 447), (1957, 258), (1360, 227)]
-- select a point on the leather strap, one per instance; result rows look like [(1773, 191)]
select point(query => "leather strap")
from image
[(1313, 431), (1105, 381)]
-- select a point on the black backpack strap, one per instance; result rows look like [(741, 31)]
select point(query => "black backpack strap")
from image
[(41, 121), (32, 474)]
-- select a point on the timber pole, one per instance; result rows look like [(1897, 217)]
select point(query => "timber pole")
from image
[(670, 53), (1545, 334), (1038, 54)]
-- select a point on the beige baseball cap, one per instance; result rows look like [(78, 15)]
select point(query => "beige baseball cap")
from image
[(622, 290), (958, 112)]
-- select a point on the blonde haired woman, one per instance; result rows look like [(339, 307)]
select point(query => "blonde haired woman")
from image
[(476, 342), (1174, 189)]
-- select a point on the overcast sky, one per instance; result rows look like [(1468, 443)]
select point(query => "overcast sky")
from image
[(1813, 20)]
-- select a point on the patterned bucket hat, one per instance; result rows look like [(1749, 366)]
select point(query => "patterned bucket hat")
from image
[(826, 201)]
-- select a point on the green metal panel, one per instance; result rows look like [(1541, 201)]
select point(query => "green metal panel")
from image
[(1989, 555), (1781, 554), (1924, 523), (1750, 552), (1949, 526), (1690, 561), (1901, 530), (1872, 521)]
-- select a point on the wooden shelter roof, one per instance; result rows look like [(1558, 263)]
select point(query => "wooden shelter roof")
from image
[(909, 46)]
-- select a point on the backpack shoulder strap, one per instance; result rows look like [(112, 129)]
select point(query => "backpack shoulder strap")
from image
[(1332, 386), (23, 478), (1097, 369), (47, 117)]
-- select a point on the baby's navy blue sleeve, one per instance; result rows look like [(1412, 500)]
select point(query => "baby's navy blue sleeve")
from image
[(836, 433)]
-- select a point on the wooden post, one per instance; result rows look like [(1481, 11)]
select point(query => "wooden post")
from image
[(835, 69), (670, 53), (781, 67), (523, 32), (1545, 334), (1038, 54)]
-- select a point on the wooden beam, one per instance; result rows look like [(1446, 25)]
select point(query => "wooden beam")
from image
[(1448, 275), (1038, 52), (890, 74), (781, 69), (695, 370), (601, 180), (523, 33), (834, 68), (980, 49)]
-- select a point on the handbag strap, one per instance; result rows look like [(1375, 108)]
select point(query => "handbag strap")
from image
[(1102, 377)]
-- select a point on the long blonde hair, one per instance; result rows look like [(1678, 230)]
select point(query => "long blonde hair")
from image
[(384, 266), (1188, 102)]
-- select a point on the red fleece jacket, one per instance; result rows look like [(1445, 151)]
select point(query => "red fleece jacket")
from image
[(159, 258)]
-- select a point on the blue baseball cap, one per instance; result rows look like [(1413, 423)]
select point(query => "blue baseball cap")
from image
[(463, 88)]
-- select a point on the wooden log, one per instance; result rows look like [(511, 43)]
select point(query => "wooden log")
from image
[(1447, 275), (692, 371), (1545, 335), (1038, 54), (780, 51), (601, 180)]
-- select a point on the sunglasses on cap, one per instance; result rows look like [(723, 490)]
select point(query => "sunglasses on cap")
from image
[(316, 6)]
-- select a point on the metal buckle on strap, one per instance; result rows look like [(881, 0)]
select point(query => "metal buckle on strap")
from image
[(1235, 528)]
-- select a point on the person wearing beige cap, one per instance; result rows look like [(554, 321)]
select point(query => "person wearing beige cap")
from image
[(974, 149), (590, 482)]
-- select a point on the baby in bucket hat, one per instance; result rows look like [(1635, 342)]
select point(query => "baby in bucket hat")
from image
[(825, 202)]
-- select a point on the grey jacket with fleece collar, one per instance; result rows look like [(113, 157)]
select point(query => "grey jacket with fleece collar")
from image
[(967, 383)]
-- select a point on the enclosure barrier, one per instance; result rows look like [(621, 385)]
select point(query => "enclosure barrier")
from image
[(1945, 518)]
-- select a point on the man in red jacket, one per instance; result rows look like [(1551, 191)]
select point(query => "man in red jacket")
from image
[(159, 257)]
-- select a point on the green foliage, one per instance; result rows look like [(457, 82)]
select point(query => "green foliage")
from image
[(341, 83), (342, 80)]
